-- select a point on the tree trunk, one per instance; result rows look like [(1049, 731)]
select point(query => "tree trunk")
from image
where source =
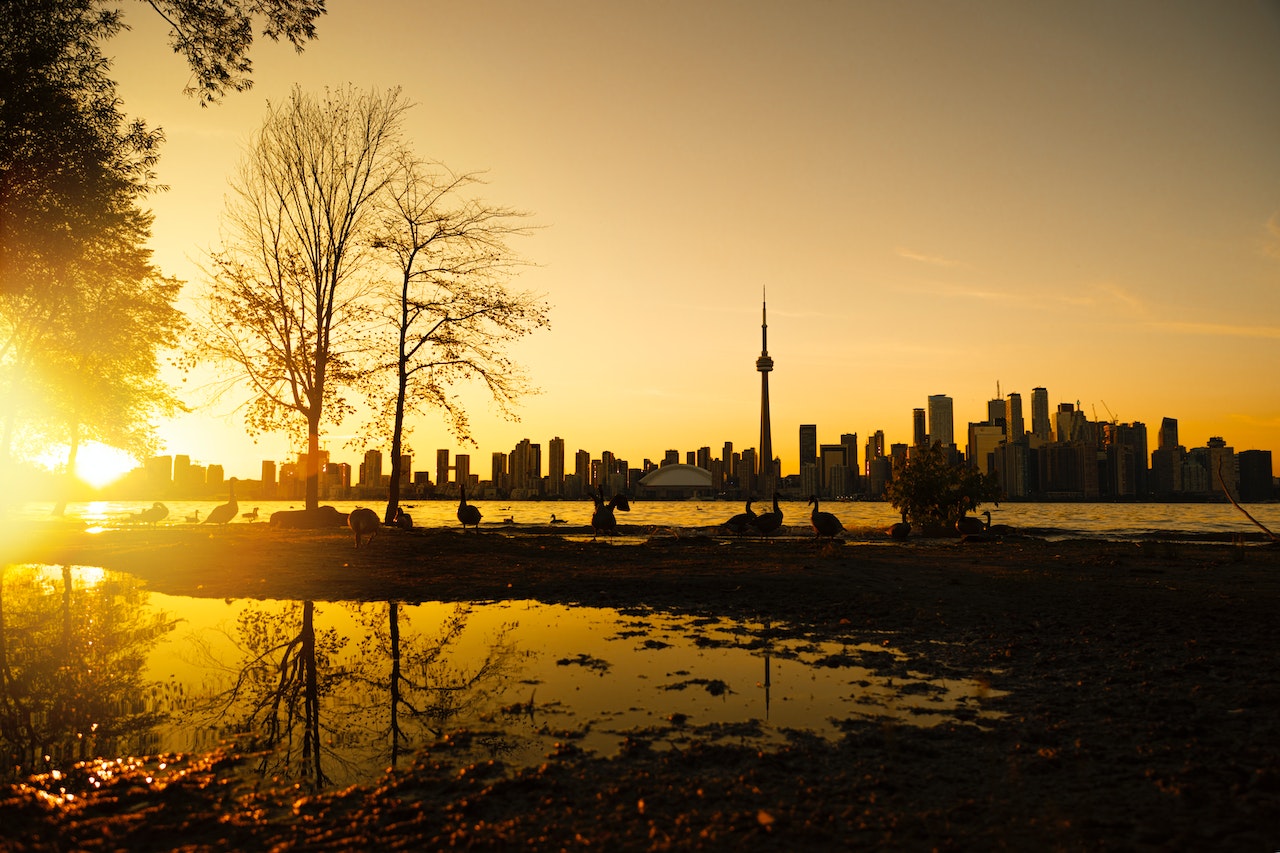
[(393, 496), (313, 462), (69, 482)]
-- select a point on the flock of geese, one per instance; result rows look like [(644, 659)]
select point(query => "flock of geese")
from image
[(365, 522)]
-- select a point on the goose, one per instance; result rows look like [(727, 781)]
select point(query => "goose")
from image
[(769, 522), (968, 525), (467, 514), (996, 529), (602, 520), (155, 513), (403, 520), (223, 513), (555, 520), (363, 521), (250, 517), (899, 531), (741, 522), (194, 519), (823, 523)]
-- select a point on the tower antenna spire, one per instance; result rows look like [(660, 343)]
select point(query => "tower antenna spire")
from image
[(764, 364)]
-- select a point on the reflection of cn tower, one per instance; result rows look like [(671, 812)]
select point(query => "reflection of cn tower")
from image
[(764, 364)]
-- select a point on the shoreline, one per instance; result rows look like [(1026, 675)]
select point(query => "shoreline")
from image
[(1139, 682)]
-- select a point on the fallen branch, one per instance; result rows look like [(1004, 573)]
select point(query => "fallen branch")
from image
[(1227, 492)]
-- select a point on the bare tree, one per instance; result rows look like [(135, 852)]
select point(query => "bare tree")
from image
[(288, 302), (454, 315)]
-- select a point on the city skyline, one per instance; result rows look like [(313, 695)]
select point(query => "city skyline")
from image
[(935, 198)]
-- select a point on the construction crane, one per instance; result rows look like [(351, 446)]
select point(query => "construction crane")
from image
[(1114, 419)]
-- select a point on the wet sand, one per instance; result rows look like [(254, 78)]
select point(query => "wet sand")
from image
[(1142, 685)]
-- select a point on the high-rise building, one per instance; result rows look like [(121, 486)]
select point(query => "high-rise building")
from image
[(941, 420), (850, 442), (764, 364), (442, 468), (1168, 438), (919, 432), (268, 479), (1014, 427), (808, 445), (1041, 427), (995, 412), (371, 469), (498, 471), (555, 467), (462, 468)]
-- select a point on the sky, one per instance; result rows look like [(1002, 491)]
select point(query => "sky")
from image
[(937, 198)]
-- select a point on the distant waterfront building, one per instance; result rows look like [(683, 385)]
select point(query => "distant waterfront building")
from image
[(442, 469), (941, 420), (498, 471), (581, 473), (555, 467), (850, 442), (462, 468), (1014, 426), (1041, 426), (1256, 480), (995, 412), (268, 480), (371, 469), (808, 444), (919, 430), (159, 472), (214, 476), (983, 441)]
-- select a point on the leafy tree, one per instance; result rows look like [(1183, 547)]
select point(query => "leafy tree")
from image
[(933, 493), (290, 300), (454, 314), (214, 36), (83, 314)]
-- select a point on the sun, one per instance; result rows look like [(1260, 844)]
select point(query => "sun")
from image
[(100, 465)]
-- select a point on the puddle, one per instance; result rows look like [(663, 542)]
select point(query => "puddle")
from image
[(337, 692)]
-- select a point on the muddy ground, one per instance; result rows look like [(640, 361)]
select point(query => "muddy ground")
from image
[(1142, 682)]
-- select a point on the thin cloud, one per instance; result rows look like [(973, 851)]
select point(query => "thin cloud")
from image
[(931, 260), (1221, 330)]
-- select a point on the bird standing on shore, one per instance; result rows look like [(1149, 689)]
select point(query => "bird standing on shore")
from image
[(769, 522), (823, 523), (467, 514), (741, 522), (899, 531), (603, 520), (250, 517), (156, 513), (223, 513)]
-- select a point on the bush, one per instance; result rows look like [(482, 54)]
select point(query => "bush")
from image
[(931, 492)]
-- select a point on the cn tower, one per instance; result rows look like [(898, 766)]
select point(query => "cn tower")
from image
[(764, 364)]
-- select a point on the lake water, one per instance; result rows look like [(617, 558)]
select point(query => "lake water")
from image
[(105, 669), (1115, 521)]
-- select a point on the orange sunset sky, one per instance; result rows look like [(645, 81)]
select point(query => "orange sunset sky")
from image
[(1083, 196)]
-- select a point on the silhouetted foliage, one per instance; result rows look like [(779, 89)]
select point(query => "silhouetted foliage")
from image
[(83, 313), (933, 493), (214, 36), (453, 312), (290, 305)]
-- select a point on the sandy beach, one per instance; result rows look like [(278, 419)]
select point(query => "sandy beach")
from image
[(1140, 685)]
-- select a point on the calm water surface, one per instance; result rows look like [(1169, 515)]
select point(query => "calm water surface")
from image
[(1114, 521), (106, 669)]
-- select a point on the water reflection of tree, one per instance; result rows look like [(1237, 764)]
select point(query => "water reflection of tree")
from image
[(72, 656), (424, 682), (288, 667)]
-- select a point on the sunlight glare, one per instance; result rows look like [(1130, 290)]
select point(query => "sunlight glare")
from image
[(100, 465)]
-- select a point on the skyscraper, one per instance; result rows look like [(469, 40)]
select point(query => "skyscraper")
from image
[(764, 364), (941, 420), (1041, 427), (919, 432), (555, 466), (1014, 427)]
